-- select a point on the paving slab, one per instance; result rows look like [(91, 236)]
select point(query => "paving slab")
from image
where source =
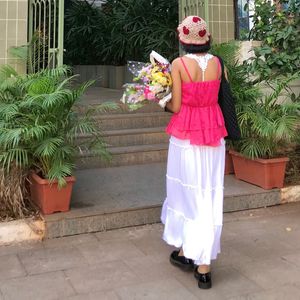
[(48, 260), (11, 267), (19, 247), (133, 263), (111, 295), (227, 282), (109, 251), (283, 292), (48, 286), (101, 277), (271, 273), (167, 289)]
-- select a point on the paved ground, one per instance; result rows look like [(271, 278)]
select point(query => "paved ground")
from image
[(260, 260)]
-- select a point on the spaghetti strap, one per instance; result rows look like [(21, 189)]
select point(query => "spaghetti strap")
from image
[(186, 69)]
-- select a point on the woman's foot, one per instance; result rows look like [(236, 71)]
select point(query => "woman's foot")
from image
[(204, 279), (181, 261)]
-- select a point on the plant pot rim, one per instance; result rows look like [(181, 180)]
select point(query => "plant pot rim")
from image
[(42, 181), (261, 160)]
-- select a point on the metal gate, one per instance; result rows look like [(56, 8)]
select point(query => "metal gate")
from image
[(193, 7), (46, 33)]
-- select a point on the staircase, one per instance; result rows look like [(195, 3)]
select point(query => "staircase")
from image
[(132, 137), (129, 190)]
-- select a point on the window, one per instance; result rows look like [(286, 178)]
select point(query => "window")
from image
[(242, 19)]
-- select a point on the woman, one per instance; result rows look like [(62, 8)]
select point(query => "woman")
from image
[(193, 209)]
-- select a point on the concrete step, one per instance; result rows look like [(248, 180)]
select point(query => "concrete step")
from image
[(111, 198), (148, 108), (131, 137), (124, 156), (136, 120)]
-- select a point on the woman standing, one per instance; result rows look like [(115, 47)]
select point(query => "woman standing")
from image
[(193, 210)]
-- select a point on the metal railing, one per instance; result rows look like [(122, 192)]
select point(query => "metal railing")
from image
[(46, 32)]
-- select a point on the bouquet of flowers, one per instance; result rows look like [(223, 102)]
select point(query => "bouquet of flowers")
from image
[(155, 83)]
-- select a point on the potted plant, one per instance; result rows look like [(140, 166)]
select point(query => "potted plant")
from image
[(38, 129), (242, 88), (266, 126)]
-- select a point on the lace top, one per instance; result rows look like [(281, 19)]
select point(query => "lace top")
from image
[(200, 118)]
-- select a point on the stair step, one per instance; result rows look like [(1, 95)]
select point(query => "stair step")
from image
[(127, 155), (131, 137), (147, 108), (128, 121), (111, 198)]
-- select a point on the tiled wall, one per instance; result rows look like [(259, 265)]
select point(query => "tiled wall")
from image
[(221, 20), (13, 29), (220, 16)]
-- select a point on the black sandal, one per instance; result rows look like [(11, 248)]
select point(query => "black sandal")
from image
[(204, 280), (182, 262)]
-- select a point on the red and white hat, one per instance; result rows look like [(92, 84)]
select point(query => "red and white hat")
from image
[(193, 30)]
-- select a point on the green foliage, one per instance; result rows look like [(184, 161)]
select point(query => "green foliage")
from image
[(39, 122), (84, 26), (268, 125), (242, 87), (278, 29), (123, 30)]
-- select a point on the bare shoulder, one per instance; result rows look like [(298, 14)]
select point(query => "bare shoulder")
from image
[(176, 62)]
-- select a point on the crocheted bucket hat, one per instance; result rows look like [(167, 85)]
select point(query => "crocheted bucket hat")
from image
[(193, 31)]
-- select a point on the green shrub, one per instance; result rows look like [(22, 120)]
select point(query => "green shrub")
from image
[(39, 123), (278, 29), (267, 126), (122, 30)]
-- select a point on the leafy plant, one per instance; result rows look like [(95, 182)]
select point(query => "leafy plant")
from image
[(39, 123), (85, 25), (243, 89), (266, 125), (121, 30), (277, 26)]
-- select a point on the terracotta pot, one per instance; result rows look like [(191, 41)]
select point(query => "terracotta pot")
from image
[(266, 173), (228, 164), (48, 197)]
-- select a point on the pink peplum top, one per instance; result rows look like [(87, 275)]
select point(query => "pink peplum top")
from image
[(200, 118)]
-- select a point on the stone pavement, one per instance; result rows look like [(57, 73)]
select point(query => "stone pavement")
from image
[(260, 260)]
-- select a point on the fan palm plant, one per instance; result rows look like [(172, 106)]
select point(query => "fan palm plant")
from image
[(243, 89), (268, 125), (268, 128), (39, 123)]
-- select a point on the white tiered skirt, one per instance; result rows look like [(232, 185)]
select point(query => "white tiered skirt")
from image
[(193, 210)]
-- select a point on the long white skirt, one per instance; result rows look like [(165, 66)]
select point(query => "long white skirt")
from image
[(193, 210)]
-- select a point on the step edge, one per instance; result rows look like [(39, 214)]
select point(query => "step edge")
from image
[(126, 131), (130, 149)]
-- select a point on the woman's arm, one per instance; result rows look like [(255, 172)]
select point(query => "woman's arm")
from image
[(175, 103)]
